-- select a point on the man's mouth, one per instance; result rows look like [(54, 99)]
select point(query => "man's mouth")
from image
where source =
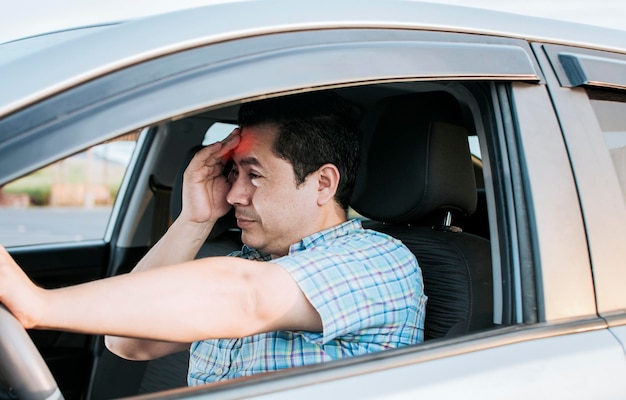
[(243, 221)]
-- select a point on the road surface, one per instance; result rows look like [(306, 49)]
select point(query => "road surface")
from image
[(20, 226)]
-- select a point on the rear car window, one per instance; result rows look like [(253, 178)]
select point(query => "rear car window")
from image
[(610, 109)]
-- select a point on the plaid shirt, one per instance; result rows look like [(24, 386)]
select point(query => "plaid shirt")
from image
[(366, 286)]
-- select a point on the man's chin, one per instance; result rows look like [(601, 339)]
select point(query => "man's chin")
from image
[(249, 240)]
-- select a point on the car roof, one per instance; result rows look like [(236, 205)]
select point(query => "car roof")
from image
[(90, 53)]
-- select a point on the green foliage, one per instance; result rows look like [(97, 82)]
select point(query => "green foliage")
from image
[(72, 171)]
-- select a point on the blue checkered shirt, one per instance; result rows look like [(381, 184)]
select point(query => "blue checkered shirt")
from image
[(366, 287)]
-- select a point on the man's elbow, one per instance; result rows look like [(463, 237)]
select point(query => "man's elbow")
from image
[(142, 349), (125, 348)]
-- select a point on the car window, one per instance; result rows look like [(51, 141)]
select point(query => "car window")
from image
[(610, 109), (69, 200), (474, 146), (217, 132)]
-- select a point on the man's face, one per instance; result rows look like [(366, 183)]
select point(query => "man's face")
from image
[(271, 210)]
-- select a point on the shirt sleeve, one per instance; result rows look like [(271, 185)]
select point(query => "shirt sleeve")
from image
[(356, 285)]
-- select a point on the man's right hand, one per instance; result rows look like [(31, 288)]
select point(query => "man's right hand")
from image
[(204, 185)]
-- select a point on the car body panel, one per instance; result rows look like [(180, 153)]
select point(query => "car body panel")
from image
[(17, 49), (517, 370), (558, 231), (618, 328), (586, 148), (513, 371), (101, 51), (558, 269), (301, 57)]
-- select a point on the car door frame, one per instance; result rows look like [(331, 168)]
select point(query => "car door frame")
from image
[(570, 71)]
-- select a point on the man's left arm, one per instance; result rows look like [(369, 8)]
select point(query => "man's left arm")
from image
[(218, 297)]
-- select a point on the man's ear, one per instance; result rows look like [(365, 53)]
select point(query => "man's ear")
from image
[(328, 180)]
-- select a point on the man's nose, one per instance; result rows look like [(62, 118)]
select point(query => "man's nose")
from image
[(238, 194)]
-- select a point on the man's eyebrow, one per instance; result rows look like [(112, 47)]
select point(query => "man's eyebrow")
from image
[(248, 161)]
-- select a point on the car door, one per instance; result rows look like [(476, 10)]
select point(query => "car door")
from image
[(593, 83), (547, 337), (57, 223)]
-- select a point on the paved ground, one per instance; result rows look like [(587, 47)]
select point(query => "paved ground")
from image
[(19, 226)]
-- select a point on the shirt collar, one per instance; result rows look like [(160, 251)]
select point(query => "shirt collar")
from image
[(325, 235), (309, 241)]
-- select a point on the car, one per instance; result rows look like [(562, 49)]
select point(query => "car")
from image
[(493, 145)]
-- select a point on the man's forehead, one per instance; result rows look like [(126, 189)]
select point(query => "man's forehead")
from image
[(246, 144), (258, 139)]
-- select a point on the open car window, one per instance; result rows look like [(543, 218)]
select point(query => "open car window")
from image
[(70, 200)]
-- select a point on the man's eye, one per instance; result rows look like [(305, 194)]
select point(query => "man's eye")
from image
[(253, 176)]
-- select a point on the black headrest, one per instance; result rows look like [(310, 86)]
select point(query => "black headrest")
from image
[(415, 160), (176, 201)]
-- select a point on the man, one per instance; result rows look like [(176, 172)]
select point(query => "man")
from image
[(309, 286)]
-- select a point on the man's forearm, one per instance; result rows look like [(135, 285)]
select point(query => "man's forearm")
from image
[(216, 297), (180, 243), (179, 303)]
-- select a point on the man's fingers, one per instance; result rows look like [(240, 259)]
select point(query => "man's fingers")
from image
[(218, 151), (229, 144), (210, 160)]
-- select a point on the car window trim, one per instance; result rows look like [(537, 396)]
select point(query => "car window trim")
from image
[(576, 67), (411, 59)]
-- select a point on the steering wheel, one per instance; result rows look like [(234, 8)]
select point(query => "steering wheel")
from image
[(21, 365)]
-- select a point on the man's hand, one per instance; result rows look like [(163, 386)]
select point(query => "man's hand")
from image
[(204, 185), (18, 293)]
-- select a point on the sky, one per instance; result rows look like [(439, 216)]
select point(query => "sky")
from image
[(21, 18), (606, 13)]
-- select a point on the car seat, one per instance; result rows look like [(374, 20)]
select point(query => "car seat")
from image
[(416, 177)]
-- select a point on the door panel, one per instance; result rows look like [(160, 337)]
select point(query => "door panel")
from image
[(569, 365), (69, 355)]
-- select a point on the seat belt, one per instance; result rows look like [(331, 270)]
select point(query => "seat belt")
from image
[(161, 209)]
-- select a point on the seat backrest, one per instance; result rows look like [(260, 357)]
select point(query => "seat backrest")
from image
[(416, 176)]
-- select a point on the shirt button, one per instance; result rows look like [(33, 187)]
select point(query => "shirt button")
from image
[(219, 371)]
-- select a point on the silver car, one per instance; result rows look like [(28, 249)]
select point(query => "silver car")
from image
[(493, 145)]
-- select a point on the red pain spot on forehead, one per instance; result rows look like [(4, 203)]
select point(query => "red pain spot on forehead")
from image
[(245, 145)]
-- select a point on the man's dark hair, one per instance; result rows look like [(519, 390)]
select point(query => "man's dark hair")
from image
[(313, 129)]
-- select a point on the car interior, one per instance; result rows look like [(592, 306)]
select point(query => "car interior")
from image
[(418, 182)]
